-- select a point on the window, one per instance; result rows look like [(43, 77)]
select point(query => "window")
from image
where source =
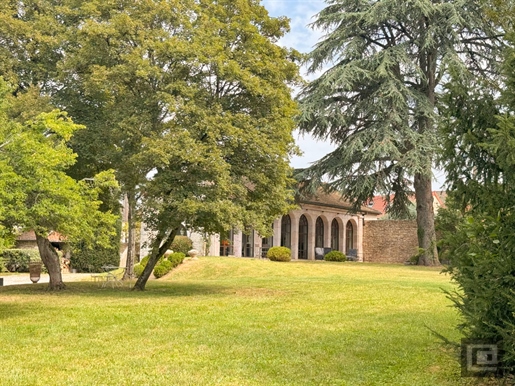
[(286, 231), (303, 237), (319, 233), (335, 235), (349, 230)]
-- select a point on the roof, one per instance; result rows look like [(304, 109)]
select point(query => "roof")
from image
[(54, 237), (334, 200)]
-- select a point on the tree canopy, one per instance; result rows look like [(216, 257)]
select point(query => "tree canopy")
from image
[(188, 101), (38, 193), (378, 99)]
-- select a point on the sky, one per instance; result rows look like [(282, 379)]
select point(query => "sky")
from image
[(301, 37)]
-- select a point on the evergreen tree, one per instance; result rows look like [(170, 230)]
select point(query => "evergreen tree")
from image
[(378, 100)]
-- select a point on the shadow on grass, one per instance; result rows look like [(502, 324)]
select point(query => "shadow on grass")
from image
[(90, 289)]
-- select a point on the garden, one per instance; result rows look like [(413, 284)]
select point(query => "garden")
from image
[(234, 321)]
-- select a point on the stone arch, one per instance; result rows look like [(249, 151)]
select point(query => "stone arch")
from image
[(351, 235), (286, 229), (303, 232)]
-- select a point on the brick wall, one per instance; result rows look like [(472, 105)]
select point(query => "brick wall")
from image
[(389, 241)]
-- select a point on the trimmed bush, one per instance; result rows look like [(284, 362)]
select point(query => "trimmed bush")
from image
[(335, 256), (279, 254), (138, 270), (176, 258), (181, 244), (17, 260), (144, 261), (162, 268)]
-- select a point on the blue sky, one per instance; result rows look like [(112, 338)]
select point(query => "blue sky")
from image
[(302, 38), (301, 13)]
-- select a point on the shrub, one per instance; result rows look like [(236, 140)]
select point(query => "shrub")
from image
[(162, 268), (87, 259), (138, 270), (482, 264), (144, 261), (17, 260), (279, 254), (335, 256), (176, 258), (181, 244)]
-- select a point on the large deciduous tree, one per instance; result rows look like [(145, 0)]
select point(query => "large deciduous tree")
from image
[(378, 99), (189, 102), (38, 193)]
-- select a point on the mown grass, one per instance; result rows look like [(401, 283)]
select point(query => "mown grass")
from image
[(228, 321)]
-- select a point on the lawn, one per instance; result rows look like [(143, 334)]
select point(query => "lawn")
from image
[(234, 321)]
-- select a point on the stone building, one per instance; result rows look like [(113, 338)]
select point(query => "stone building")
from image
[(324, 221)]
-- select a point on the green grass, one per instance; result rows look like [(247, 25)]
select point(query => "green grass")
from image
[(228, 321)]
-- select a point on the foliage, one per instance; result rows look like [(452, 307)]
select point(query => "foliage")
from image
[(34, 157), (335, 256), (91, 258), (138, 270), (144, 261), (477, 228), (17, 260), (176, 258), (377, 100), (482, 263), (188, 101), (279, 254), (181, 244), (162, 268)]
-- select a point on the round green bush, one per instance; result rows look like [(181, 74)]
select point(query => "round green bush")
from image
[(138, 270), (144, 261), (181, 244), (162, 268), (335, 256), (176, 258), (279, 254)]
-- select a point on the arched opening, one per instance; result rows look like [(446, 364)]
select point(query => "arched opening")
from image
[(226, 243), (267, 243), (286, 231), (335, 233), (303, 237), (319, 233), (349, 237), (247, 244)]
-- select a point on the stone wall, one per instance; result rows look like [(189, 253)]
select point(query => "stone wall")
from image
[(389, 241)]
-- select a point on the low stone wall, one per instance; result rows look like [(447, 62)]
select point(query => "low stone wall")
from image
[(389, 241)]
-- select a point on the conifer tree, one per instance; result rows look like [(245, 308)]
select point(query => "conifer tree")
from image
[(378, 99)]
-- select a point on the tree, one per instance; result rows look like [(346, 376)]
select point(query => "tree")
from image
[(189, 102), (40, 195), (379, 98)]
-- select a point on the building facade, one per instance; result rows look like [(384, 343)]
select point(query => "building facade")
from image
[(324, 221)]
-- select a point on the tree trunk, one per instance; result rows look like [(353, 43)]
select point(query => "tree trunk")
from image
[(160, 245), (131, 242), (425, 220), (50, 258)]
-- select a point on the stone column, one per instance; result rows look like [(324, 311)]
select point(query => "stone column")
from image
[(214, 248), (258, 243), (311, 237), (277, 233), (359, 237), (236, 246), (327, 232), (294, 236)]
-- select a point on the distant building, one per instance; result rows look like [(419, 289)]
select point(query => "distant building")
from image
[(322, 221)]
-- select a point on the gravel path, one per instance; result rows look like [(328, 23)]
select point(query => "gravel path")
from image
[(24, 278)]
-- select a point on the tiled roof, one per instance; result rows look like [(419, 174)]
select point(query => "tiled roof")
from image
[(334, 200), (54, 237)]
